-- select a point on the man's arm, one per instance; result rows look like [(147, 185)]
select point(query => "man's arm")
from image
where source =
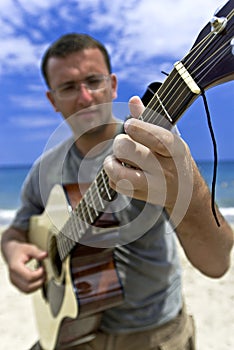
[(164, 173)]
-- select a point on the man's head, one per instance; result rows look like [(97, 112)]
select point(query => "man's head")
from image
[(77, 70), (70, 43)]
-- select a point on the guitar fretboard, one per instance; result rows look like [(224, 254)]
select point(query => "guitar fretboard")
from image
[(165, 108), (90, 208), (169, 102)]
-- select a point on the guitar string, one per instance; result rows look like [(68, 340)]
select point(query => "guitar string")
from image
[(80, 212), (196, 49), (175, 90), (216, 59), (165, 93), (203, 71), (165, 97), (67, 244), (84, 213), (175, 87)]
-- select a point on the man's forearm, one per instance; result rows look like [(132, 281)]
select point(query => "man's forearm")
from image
[(206, 244), (11, 234)]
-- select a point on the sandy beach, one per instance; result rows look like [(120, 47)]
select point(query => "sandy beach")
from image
[(211, 301)]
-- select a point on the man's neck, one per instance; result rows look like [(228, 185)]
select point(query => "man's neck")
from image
[(92, 143)]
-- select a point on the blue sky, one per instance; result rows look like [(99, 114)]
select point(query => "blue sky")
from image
[(144, 37)]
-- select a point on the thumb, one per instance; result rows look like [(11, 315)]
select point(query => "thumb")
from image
[(136, 106), (37, 253)]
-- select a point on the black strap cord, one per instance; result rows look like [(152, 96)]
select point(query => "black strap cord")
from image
[(215, 165)]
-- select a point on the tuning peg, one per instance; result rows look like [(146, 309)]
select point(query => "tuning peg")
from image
[(218, 24), (232, 45)]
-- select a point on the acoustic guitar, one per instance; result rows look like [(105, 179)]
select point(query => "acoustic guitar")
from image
[(82, 281)]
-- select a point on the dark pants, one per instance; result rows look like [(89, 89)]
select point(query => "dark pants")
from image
[(178, 334)]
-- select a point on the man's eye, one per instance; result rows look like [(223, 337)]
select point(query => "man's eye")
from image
[(93, 81), (68, 88)]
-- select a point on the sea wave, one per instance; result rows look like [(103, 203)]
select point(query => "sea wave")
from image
[(228, 213), (6, 215)]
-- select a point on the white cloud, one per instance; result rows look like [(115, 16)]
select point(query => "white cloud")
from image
[(151, 27), (33, 102), (34, 122), (18, 53), (135, 31)]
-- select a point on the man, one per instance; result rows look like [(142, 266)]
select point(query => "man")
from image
[(81, 86)]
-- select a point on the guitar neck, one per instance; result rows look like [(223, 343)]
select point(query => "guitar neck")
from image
[(209, 63), (92, 205), (169, 102)]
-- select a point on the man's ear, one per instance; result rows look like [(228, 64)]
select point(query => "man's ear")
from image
[(114, 85), (50, 97)]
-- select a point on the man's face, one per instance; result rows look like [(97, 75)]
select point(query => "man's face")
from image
[(90, 108)]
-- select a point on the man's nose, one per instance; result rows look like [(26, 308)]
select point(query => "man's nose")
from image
[(85, 95)]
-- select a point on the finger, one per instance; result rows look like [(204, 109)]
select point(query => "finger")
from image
[(130, 152), (25, 285), (28, 274), (117, 172), (33, 252), (134, 182), (136, 106), (25, 279), (32, 287), (156, 138)]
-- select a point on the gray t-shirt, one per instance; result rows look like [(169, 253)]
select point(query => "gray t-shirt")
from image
[(147, 262)]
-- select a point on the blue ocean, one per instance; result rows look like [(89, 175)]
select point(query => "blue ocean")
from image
[(11, 179)]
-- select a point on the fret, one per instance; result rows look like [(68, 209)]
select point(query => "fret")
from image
[(79, 222), (169, 102), (62, 240), (84, 214), (98, 193), (64, 245), (90, 192), (104, 180), (72, 228), (69, 235), (157, 115), (59, 245), (163, 108), (69, 244), (78, 228), (90, 213), (91, 208), (182, 98), (89, 219)]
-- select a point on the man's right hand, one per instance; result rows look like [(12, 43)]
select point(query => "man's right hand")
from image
[(18, 254)]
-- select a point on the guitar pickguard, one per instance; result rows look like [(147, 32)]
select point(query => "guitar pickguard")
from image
[(55, 295)]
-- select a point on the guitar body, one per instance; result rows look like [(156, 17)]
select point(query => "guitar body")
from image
[(68, 306)]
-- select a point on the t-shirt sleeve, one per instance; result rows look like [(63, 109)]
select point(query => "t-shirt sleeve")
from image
[(31, 201)]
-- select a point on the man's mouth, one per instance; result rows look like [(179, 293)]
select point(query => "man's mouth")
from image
[(88, 113)]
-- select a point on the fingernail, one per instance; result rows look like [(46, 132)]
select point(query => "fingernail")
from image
[(127, 124)]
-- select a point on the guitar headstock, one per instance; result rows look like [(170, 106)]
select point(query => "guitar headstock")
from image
[(211, 59)]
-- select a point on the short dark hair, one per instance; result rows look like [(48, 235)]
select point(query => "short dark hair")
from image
[(68, 44)]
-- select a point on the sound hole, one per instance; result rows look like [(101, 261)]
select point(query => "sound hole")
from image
[(54, 257)]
